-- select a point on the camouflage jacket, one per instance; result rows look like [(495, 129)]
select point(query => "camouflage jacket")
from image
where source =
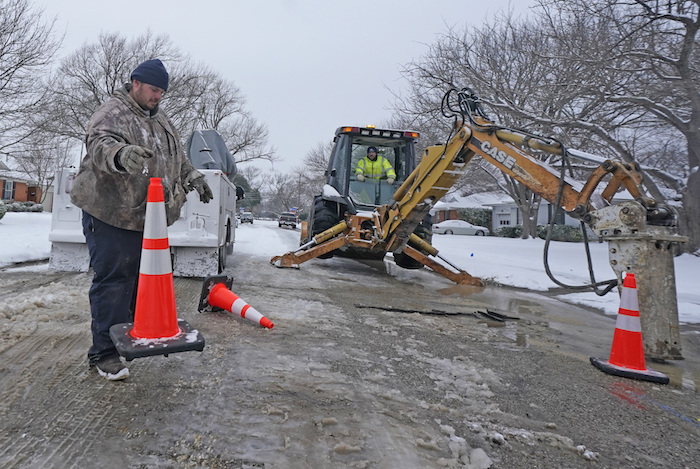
[(113, 195)]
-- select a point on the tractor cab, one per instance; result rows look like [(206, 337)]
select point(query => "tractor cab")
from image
[(396, 159)]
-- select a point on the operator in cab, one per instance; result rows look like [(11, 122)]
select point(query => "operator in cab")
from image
[(374, 166)]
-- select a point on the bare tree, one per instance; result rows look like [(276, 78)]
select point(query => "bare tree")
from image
[(255, 177), (311, 175), (201, 99), (313, 170), (282, 192), (298, 187), (90, 75), (492, 60), (41, 155), (27, 47), (247, 139), (655, 57), (197, 97), (598, 75), (434, 132)]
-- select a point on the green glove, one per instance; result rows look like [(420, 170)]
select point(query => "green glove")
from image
[(133, 157), (196, 180)]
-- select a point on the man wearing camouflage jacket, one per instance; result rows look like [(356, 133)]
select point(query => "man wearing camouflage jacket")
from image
[(128, 142)]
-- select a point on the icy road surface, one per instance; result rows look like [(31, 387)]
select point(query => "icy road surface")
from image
[(363, 369)]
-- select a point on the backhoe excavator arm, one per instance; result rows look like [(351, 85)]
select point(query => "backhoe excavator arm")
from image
[(442, 166), (641, 233)]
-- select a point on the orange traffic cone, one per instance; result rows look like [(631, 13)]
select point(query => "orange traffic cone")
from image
[(627, 351), (217, 295), (156, 315), (156, 329)]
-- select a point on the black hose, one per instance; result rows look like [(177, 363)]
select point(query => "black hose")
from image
[(610, 284)]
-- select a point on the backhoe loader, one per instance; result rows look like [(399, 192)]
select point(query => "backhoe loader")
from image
[(641, 233)]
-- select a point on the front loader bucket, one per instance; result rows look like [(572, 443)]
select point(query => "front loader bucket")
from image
[(285, 261)]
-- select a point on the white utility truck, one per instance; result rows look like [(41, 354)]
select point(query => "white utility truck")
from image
[(200, 240)]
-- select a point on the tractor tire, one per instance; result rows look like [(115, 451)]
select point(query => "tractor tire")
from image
[(325, 216), (424, 231)]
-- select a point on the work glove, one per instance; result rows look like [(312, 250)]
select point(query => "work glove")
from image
[(390, 181), (196, 180), (133, 157), (360, 177)]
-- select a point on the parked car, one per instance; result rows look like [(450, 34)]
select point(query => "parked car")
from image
[(459, 227), (288, 219), (247, 217)]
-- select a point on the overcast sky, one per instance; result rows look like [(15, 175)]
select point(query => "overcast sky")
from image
[(305, 67)]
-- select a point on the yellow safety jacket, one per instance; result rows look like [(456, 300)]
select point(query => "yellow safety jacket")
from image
[(377, 169)]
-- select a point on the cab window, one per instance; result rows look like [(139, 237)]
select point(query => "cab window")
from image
[(396, 155)]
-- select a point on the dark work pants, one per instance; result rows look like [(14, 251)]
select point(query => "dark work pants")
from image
[(115, 255)]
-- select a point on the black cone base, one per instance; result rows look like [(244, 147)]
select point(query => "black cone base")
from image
[(208, 284), (131, 347), (642, 375)]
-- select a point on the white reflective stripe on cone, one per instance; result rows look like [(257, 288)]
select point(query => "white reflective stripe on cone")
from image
[(628, 323), (253, 314), (155, 262), (628, 299), (245, 310), (156, 224), (238, 305)]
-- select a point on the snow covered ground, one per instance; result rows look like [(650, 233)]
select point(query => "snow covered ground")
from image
[(334, 385), (513, 262)]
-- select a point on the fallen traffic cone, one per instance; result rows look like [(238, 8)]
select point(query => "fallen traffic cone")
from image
[(217, 295), (156, 329), (627, 351)]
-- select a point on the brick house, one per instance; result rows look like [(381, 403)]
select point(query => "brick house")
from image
[(16, 186)]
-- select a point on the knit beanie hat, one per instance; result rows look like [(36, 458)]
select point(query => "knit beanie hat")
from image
[(152, 72)]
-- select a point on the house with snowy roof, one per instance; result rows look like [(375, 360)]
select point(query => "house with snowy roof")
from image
[(504, 211), (448, 206), (17, 186)]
